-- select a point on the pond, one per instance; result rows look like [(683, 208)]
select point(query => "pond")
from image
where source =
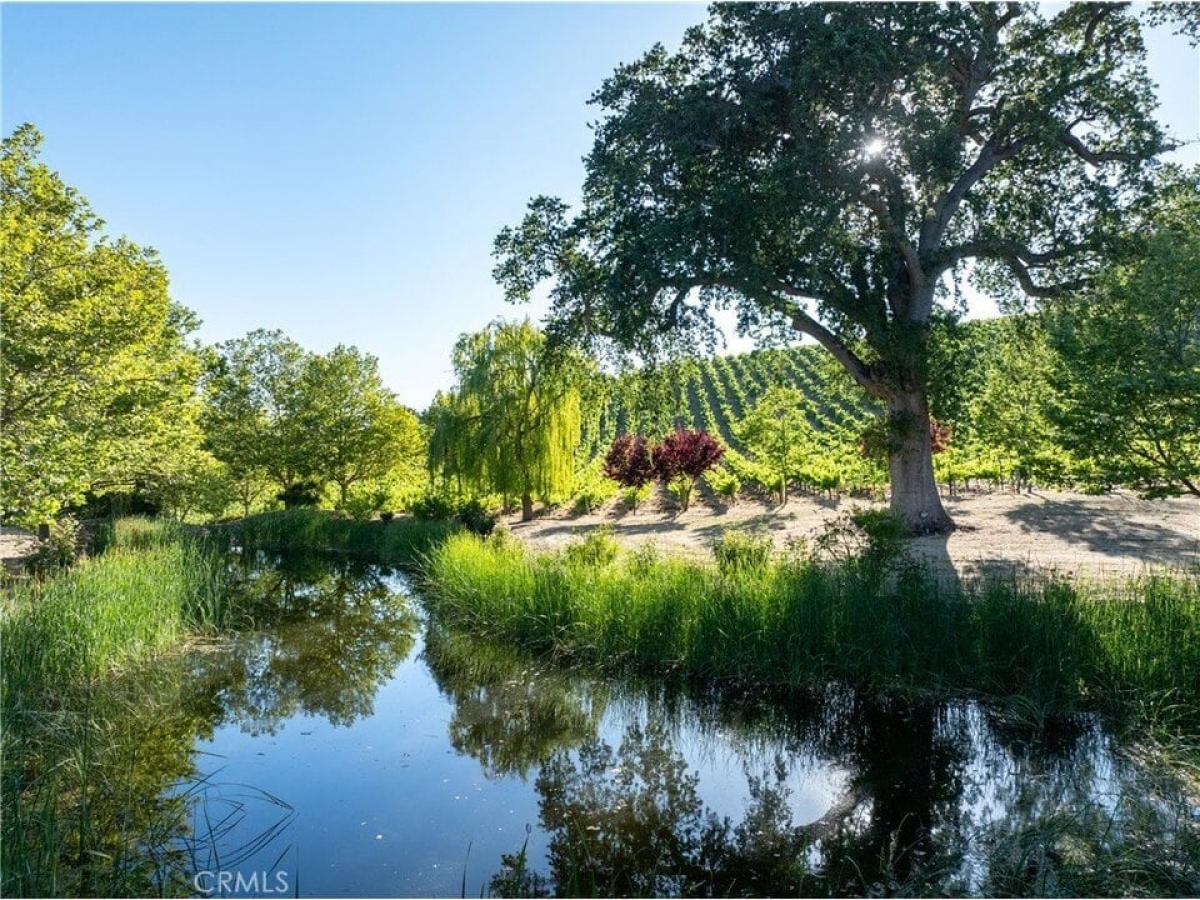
[(351, 747)]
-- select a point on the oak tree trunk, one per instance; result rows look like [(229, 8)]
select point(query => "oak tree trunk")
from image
[(915, 499)]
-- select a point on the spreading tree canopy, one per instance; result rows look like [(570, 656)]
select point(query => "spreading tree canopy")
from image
[(835, 170), (355, 428), (253, 414), (276, 413), (96, 367)]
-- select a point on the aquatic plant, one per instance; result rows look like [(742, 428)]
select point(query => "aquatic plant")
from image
[(1044, 645), (104, 612)]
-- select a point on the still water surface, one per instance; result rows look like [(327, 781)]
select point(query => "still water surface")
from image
[(359, 750)]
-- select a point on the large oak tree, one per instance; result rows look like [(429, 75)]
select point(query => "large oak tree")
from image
[(836, 169)]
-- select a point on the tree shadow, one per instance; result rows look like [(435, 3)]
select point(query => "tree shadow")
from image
[(1079, 522)]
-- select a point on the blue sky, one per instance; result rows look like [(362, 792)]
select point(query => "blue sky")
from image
[(339, 172)]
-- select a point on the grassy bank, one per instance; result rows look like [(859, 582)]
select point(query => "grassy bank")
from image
[(1045, 646), (149, 589), (401, 542), (79, 743)]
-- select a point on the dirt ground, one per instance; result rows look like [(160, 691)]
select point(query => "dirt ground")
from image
[(1065, 533), (15, 544)]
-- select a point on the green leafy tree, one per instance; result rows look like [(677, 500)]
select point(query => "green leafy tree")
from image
[(96, 367), (514, 421), (355, 430), (828, 169), (776, 430), (1012, 410), (1130, 353), (253, 415)]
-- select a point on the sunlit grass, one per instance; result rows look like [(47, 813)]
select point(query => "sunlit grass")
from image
[(104, 612), (1047, 646), (67, 751)]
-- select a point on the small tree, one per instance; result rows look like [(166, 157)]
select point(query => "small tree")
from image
[(682, 457), (513, 421), (777, 432), (628, 461)]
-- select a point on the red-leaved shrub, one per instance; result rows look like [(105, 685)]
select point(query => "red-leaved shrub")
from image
[(628, 461), (683, 456)]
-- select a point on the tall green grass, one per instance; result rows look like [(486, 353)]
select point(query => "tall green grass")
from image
[(1047, 646), (104, 612), (401, 542), (75, 749)]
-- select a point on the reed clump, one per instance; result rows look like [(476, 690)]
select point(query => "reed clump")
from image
[(1048, 645), (133, 600)]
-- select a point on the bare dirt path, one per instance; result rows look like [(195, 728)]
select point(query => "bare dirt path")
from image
[(1045, 531)]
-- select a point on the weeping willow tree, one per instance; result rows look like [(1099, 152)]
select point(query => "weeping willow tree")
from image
[(513, 421)]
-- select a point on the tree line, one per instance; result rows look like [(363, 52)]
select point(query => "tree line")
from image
[(106, 391), (831, 171)]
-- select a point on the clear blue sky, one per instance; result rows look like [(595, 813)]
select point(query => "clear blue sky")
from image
[(339, 172)]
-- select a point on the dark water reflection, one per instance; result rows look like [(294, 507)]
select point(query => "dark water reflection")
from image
[(359, 750)]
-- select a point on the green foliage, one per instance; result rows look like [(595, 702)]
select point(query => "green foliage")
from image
[(364, 503), (432, 507), (635, 496), (299, 494), (354, 428), (1011, 413), (738, 551), (513, 422), (1128, 371), (724, 483), (140, 533), (836, 153), (596, 548), (97, 372), (400, 542), (476, 518), (277, 413), (593, 488), (133, 600), (1129, 646), (252, 415), (776, 430), (58, 550), (205, 491)]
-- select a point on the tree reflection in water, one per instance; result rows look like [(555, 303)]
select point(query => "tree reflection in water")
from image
[(507, 714), (333, 633), (108, 781), (916, 797), (938, 798)]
